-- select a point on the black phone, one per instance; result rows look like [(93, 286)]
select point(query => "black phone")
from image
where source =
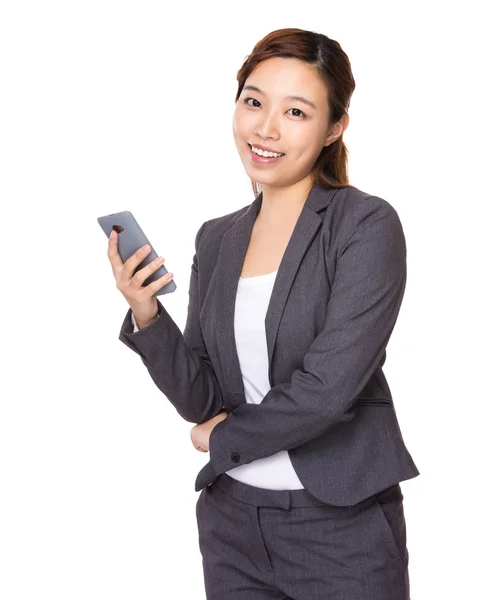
[(130, 239)]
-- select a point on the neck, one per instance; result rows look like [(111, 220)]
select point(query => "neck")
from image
[(281, 203)]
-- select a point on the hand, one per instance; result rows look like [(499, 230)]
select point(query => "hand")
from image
[(140, 299), (200, 434)]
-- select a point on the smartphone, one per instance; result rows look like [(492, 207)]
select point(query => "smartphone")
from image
[(130, 239)]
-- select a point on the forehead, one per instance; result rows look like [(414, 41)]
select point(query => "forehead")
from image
[(278, 77)]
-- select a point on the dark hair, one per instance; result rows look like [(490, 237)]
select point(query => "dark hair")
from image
[(333, 65)]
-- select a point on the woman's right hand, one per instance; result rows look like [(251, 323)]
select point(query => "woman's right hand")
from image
[(140, 299)]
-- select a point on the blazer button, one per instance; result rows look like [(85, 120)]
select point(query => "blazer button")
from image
[(235, 457)]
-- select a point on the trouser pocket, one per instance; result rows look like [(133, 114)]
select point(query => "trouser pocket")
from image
[(390, 503)]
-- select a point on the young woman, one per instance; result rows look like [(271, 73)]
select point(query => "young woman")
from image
[(292, 302)]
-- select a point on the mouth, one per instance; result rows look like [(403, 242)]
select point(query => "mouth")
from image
[(261, 158)]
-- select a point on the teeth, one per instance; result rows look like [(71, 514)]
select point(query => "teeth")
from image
[(266, 153)]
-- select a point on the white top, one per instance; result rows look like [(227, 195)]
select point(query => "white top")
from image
[(252, 300)]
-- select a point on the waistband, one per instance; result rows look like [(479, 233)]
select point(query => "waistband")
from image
[(256, 496)]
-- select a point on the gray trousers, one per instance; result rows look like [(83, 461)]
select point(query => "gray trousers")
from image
[(260, 544)]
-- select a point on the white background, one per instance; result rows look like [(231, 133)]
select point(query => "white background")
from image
[(110, 106)]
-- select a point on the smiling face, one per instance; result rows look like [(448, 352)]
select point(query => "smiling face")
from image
[(283, 106)]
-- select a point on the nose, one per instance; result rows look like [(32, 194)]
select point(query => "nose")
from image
[(267, 126)]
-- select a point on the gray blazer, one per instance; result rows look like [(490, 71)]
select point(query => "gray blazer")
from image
[(333, 307)]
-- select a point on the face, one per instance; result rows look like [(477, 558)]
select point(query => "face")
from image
[(297, 126)]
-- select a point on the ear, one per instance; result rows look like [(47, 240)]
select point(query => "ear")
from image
[(337, 129)]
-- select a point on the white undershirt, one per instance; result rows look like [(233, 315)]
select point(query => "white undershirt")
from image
[(252, 300)]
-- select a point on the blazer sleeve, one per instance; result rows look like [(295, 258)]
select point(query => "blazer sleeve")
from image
[(364, 303), (178, 362)]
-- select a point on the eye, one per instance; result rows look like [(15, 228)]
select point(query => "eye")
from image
[(245, 101), (300, 111), (249, 98)]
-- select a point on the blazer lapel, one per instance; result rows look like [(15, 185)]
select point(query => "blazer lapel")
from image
[(228, 270)]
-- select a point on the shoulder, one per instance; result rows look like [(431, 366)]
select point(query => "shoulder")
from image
[(349, 211), (215, 228), (220, 224), (353, 211), (353, 207)]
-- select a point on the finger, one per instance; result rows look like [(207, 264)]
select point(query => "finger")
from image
[(148, 270), (159, 283), (135, 260), (113, 255)]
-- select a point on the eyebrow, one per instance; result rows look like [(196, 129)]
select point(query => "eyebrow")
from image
[(299, 98)]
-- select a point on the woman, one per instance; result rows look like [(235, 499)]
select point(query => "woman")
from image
[(292, 301)]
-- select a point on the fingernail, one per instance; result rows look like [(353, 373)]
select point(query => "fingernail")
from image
[(145, 249)]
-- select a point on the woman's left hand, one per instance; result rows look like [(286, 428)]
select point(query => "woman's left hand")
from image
[(200, 434)]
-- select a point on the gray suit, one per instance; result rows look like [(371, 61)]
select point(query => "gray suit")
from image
[(334, 304)]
